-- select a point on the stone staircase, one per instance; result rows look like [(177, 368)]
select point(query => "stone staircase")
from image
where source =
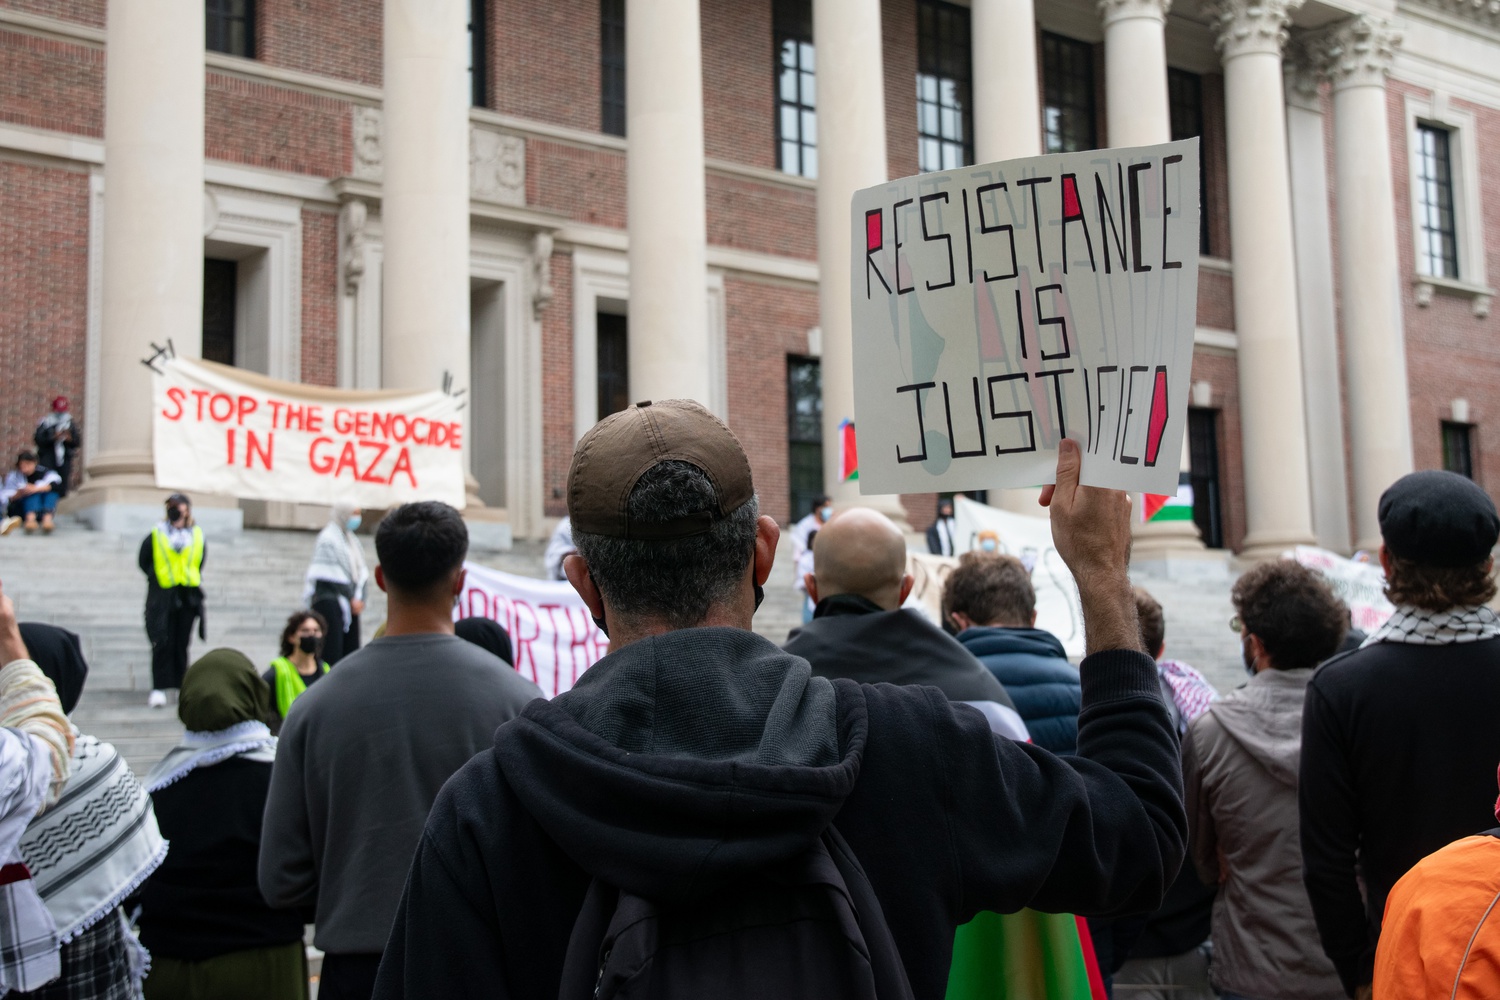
[(89, 582)]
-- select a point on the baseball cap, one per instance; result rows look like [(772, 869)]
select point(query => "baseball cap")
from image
[(618, 450), (1438, 519)]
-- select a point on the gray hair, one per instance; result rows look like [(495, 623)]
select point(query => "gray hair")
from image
[(676, 580)]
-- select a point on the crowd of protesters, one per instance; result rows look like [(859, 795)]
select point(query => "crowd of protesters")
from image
[(884, 806)]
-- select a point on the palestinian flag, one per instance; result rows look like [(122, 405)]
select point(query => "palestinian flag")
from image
[(1024, 956), (1155, 509), (848, 456)]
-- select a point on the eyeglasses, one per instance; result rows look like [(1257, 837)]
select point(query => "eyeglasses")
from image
[(1235, 625)]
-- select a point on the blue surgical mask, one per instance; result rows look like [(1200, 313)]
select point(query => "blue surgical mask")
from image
[(989, 545), (353, 522), (824, 513)]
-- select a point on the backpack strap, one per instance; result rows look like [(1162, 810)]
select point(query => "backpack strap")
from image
[(885, 959), (580, 969)]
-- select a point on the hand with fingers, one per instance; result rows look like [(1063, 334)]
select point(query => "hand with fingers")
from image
[(1091, 529)]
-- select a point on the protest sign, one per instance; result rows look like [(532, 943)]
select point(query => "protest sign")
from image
[(1359, 585), (1000, 308), (553, 637), (218, 429), (1029, 539)]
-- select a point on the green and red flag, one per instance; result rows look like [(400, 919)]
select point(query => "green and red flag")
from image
[(848, 455), (1024, 956)]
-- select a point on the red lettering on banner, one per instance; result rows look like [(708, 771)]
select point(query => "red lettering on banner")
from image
[(362, 424), (321, 464), (456, 430), (369, 476), (200, 395), (275, 405), (229, 460), (556, 639), (244, 406), (347, 460), (403, 464), (253, 448), (524, 652), (175, 395), (213, 407), (418, 435), (314, 419)]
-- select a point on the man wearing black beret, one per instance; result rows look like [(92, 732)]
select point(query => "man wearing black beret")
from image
[(1399, 737)]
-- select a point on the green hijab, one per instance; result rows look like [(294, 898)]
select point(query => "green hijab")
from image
[(220, 690)]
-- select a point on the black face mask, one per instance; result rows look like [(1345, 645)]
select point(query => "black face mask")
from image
[(308, 643)]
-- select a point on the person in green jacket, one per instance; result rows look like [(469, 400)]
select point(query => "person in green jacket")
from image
[(300, 663)]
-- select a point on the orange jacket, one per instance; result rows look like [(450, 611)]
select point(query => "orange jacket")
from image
[(1441, 933)]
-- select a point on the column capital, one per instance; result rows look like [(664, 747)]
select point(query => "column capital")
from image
[(1302, 76), (1122, 10), (1243, 27), (1357, 51)]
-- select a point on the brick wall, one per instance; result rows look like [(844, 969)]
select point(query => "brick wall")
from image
[(544, 61), (320, 297), (751, 215), (90, 12), (330, 39), (587, 185), (51, 84), (267, 126), (738, 82), (557, 387), (898, 24), (44, 237)]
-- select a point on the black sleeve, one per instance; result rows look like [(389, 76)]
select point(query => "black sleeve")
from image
[(143, 559), (934, 543), (1330, 843)]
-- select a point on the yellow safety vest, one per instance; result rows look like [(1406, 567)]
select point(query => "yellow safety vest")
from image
[(177, 569), (289, 683)]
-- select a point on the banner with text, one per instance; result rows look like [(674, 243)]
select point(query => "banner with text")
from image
[(553, 636), (222, 430), (1029, 539), (1359, 585), (1002, 307)]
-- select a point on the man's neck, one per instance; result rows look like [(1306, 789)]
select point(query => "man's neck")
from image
[(403, 618)]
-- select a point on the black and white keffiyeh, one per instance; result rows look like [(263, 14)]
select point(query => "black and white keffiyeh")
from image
[(250, 739), (1420, 627)]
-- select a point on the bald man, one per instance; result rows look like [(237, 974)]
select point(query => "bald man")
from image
[(860, 631)]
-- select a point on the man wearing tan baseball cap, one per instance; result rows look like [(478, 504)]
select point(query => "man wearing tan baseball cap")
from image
[(697, 761)]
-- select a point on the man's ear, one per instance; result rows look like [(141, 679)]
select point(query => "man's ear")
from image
[(458, 581), (577, 572), (907, 582), (767, 534), (960, 620), (380, 578), (811, 583), (1033, 618)]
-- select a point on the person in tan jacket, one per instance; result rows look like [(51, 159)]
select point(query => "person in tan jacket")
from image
[(1239, 762)]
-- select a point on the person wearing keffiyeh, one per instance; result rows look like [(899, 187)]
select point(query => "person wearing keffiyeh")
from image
[(211, 935), (1399, 741)]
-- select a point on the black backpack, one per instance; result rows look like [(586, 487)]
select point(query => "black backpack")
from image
[(809, 928)]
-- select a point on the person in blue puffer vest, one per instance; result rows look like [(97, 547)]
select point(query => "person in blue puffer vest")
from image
[(989, 602)]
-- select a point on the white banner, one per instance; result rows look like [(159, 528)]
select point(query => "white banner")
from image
[(1029, 539), (999, 308), (218, 429), (1359, 585), (553, 636)]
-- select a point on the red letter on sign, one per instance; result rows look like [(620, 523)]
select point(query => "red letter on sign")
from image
[(321, 464), (253, 448), (403, 464), (176, 396)]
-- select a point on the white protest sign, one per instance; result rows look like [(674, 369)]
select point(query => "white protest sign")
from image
[(1029, 539), (553, 638), (999, 308), (218, 429), (1359, 585)]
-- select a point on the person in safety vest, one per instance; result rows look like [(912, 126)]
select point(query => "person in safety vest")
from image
[(300, 663), (172, 559)]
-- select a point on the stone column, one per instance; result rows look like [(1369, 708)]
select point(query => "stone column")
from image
[(851, 155), (1135, 71), (153, 246), (1007, 106), (425, 196), (1356, 56), (666, 214), (1315, 302), (1278, 502)]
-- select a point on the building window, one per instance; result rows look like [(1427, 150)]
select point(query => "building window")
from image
[(1068, 114), (613, 341), (1437, 239), (796, 89), (476, 53), (804, 432), (1203, 462), (1458, 448), (945, 114), (1185, 103), (612, 66), (220, 287), (231, 27)]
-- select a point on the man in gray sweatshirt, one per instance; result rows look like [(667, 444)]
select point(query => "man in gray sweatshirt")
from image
[(363, 752)]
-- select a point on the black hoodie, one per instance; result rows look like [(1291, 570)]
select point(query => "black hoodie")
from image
[(689, 759)]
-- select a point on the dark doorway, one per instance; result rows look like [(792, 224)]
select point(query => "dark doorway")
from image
[(1203, 456), (804, 433), (614, 363), (220, 279)]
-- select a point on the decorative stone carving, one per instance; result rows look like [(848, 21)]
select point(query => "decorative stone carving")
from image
[(497, 166), (1482, 306), (366, 130), (352, 219), (541, 273), (1242, 27), (1119, 10), (1486, 12), (1300, 70), (1423, 294), (1357, 51)]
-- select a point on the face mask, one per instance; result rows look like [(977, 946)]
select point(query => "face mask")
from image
[(989, 545), (824, 513), (353, 522), (307, 643)]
